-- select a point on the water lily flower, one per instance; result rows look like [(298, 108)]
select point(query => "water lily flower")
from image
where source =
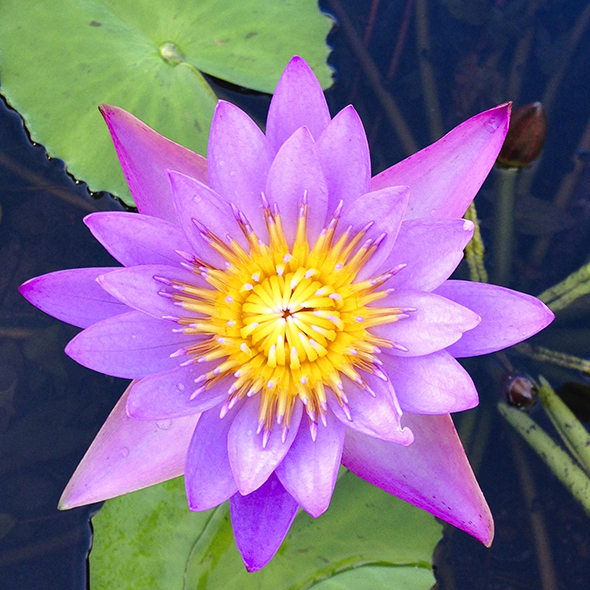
[(281, 313)]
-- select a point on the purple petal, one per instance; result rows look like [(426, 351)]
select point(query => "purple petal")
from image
[(144, 156), (435, 324), (73, 296), (295, 172), (385, 209), (168, 394), (115, 463), (310, 468), (139, 287), (239, 160), (261, 520), (374, 415), (137, 239), (431, 384), (132, 346), (445, 176), (298, 100), (344, 154), (508, 317), (208, 477), (431, 248), (252, 463), (432, 473)]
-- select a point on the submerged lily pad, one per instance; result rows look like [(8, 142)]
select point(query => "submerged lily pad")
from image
[(60, 60), (366, 539)]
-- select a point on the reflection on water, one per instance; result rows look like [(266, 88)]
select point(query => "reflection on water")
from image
[(477, 54)]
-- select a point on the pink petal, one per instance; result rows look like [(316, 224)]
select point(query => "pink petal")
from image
[(116, 464), (168, 394), (508, 317), (431, 384), (385, 209), (239, 160), (144, 288), (432, 473), (131, 345), (431, 248), (310, 468), (208, 477), (376, 414), (250, 462), (261, 520), (445, 176), (144, 156), (435, 324), (133, 238), (73, 296), (298, 100), (296, 172), (344, 154)]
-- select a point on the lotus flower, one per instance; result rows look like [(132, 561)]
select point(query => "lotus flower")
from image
[(281, 313)]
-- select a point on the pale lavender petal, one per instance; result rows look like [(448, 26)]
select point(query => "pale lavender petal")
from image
[(142, 288), (208, 477), (239, 160), (251, 463), (445, 176), (73, 296), (296, 172), (431, 384), (431, 248), (385, 209), (508, 317), (435, 324), (116, 464), (133, 238), (144, 156), (377, 414), (132, 346), (432, 473), (344, 154), (298, 100), (168, 394), (310, 468), (261, 520)]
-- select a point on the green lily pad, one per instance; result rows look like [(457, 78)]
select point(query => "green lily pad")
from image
[(60, 60), (366, 539)]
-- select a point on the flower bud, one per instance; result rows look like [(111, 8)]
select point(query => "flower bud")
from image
[(526, 137), (519, 390)]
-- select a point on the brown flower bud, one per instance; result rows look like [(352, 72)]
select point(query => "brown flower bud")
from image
[(519, 390)]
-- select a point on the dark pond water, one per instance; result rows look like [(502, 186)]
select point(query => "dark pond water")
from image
[(51, 408)]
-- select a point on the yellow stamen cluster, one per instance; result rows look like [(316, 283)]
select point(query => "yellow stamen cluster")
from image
[(284, 323)]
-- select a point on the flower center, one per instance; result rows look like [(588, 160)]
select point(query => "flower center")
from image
[(285, 323)]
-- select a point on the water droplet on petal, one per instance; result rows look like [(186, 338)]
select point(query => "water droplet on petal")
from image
[(124, 452), (164, 424), (180, 386), (492, 124)]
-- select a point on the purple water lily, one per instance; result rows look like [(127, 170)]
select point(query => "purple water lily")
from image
[(281, 313)]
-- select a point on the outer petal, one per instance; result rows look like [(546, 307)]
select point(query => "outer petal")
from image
[(431, 384), (208, 477), (131, 345), (344, 154), (137, 239), (432, 473), (239, 159), (298, 100), (73, 296), (144, 156), (261, 520), (435, 324), (507, 316), (310, 468), (296, 171), (115, 463), (431, 248), (445, 176), (250, 462)]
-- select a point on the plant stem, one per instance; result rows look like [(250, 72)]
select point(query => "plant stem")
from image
[(504, 229)]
